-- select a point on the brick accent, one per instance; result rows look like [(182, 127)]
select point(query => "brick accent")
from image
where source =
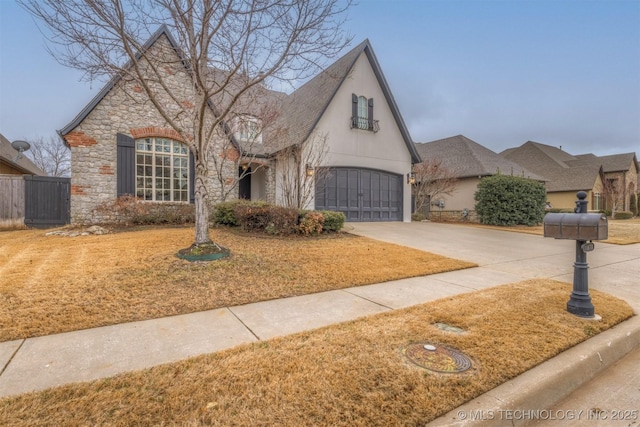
[(78, 190), (106, 170), (230, 154), (137, 89), (187, 104), (156, 131), (79, 139)]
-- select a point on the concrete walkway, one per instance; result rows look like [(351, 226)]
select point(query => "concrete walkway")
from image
[(503, 257)]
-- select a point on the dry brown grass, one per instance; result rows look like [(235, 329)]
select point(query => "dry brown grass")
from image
[(351, 374), (52, 284), (621, 232)]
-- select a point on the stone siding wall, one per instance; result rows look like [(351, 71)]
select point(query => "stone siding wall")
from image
[(126, 109)]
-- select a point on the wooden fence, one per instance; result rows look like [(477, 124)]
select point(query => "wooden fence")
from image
[(11, 201), (34, 201)]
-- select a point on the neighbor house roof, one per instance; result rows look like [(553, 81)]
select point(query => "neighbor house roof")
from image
[(613, 163), (8, 156), (467, 158), (567, 172)]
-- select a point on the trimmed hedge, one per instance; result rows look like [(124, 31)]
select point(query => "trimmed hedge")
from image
[(510, 200), (131, 210), (333, 221), (623, 215), (633, 201), (277, 220)]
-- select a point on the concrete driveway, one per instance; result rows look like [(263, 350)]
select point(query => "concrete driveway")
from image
[(614, 269)]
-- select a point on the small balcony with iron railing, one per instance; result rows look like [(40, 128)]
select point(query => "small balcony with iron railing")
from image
[(365, 124)]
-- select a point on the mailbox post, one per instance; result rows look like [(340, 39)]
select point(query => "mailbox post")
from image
[(582, 227), (580, 301)]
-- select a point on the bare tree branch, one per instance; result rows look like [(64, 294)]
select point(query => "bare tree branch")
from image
[(51, 155), (226, 47), (299, 169), (431, 180)]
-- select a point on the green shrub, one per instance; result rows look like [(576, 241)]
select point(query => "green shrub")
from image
[(333, 221), (224, 214), (623, 215), (510, 200), (311, 223), (633, 201)]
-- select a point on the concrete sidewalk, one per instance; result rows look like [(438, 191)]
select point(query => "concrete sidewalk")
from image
[(504, 257)]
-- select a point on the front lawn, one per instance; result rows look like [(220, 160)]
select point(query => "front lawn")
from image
[(53, 284), (350, 374)]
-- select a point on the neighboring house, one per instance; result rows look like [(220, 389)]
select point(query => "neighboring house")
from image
[(345, 118), (568, 174), (10, 164), (469, 162)]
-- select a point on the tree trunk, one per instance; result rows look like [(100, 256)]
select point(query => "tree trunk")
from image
[(201, 208)]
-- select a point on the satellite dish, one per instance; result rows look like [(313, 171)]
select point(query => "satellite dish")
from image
[(20, 146)]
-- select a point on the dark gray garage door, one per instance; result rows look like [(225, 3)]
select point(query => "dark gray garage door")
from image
[(361, 194)]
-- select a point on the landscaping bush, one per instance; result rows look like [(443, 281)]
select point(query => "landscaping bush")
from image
[(224, 214), (623, 215), (252, 216), (282, 220), (277, 220), (311, 223), (418, 216), (131, 210), (510, 200), (633, 201), (333, 221)]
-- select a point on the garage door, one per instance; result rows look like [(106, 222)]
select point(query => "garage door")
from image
[(361, 194)]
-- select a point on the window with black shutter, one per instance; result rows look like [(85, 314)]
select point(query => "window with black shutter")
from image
[(362, 113)]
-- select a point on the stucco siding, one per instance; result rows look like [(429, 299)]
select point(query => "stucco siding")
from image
[(384, 150)]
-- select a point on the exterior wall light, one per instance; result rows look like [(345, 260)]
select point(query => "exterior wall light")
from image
[(411, 178), (309, 170)]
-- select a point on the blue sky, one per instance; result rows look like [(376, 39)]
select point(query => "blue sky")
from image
[(564, 72)]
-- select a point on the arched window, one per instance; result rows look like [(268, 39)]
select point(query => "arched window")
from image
[(363, 116), (162, 170)]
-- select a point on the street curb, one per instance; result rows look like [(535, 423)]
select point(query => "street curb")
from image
[(547, 384)]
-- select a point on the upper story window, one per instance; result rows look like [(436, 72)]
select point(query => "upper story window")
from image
[(162, 170), (248, 129), (362, 113)]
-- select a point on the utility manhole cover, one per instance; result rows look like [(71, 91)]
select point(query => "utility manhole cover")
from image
[(436, 358)]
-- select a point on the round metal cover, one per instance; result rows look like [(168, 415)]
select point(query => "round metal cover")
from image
[(442, 359)]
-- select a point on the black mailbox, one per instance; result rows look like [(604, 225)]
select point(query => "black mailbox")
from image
[(576, 226)]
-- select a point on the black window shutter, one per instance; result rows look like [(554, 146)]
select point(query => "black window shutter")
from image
[(125, 165), (370, 113), (192, 178), (354, 110)]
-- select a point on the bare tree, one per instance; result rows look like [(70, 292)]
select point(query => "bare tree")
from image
[(431, 180), (51, 155), (613, 193), (228, 47), (299, 170)]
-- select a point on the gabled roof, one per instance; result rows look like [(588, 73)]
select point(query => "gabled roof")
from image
[(467, 158), (302, 110), (565, 171), (299, 112), (24, 164), (613, 163)]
